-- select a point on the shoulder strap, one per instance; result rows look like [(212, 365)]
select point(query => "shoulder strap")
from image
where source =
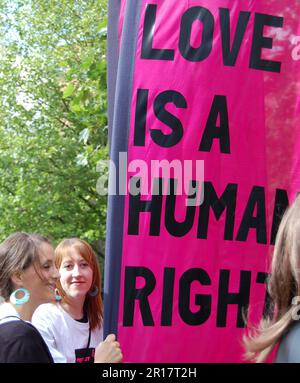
[(89, 340), (88, 344)]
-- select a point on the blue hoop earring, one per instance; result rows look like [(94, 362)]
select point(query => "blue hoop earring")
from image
[(94, 292), (19, 301), (57, 295)]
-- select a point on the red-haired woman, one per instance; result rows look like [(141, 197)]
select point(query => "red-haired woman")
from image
[(72, 328)]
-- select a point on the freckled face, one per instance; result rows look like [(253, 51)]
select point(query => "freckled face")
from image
[(76, 275)]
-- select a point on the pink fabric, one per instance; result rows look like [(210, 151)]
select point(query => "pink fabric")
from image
[(121, 18), (264, 128)]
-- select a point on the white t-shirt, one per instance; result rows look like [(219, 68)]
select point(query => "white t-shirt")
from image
[(63, 334), (7, 313)]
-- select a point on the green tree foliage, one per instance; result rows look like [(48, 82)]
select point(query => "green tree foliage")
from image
[(53, 117)]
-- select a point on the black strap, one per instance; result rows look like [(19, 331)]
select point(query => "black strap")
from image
[(88, 345)]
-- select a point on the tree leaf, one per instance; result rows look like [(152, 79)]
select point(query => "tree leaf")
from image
[(69, 90)]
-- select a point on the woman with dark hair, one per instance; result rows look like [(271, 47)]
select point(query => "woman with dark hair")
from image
[(28, 278), (281, 326), (72, 328)]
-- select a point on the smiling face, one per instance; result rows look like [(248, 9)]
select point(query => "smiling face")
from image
[(76, 275), (40, 278)]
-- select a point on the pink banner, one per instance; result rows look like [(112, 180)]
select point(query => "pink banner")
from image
[(219, 82), (121, 18)]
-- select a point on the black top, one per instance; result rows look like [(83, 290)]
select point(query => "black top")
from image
[(20, 342)]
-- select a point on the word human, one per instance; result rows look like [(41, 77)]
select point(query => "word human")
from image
[(206, 18), (254, 216)]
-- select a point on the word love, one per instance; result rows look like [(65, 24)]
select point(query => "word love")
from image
[(203, 21)]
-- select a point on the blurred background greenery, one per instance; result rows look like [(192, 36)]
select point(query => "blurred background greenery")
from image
[(53, 118)]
